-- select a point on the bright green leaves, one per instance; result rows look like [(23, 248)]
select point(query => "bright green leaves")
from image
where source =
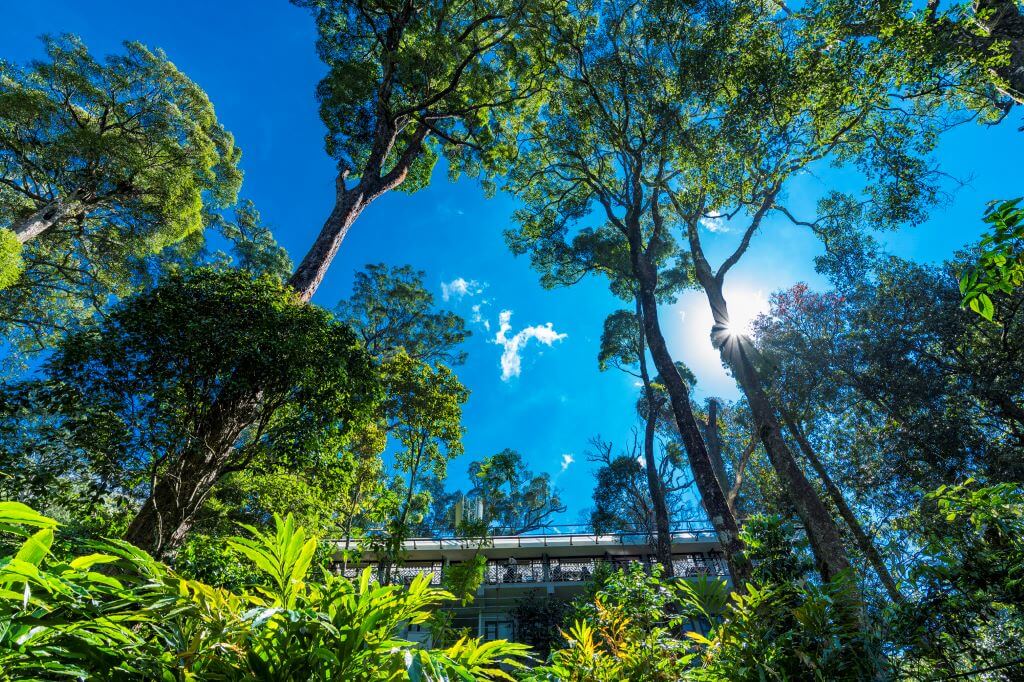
[(624, 632), (423, 405), (122, 156), (285, 557), (15, 515), (68, 620), (1000, 267), (131, 136), (11, 263)]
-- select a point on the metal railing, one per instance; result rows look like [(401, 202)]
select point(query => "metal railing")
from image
[(573, 535), (551, 570)]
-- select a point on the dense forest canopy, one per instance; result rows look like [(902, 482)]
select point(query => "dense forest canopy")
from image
[(750, 269)]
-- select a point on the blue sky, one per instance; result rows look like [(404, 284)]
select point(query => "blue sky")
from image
[(256, 60)]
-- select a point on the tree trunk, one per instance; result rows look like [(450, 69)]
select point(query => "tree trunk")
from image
[(663, 530), (307, 277), (863, 541), (663, 534), (178, 494), (176, 502), (56, 211), (679, 397), (715, 445), (821, 528)]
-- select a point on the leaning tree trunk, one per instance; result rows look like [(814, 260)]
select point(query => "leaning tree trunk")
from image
[(180, 491), (867, 547), (710, 490), (178, 494), (348, 205), (57, 211), (821, 528)]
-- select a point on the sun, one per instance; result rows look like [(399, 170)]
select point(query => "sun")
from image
[(689, 333), (745, 305)]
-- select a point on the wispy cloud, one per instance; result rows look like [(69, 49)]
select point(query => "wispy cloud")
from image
[(567, 459), (478, 316), (714, 222), (460, 287), (511, 356)]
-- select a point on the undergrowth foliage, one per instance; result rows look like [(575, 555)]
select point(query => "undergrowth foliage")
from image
[(115, 613)]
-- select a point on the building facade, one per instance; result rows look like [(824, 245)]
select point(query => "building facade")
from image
[(553, 565)]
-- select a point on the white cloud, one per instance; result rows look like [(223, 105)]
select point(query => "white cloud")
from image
[(714, 222), (567, 459), (511, 356), (478, 316), (460, 287)]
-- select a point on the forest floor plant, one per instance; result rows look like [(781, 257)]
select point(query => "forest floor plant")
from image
[(118, 614)]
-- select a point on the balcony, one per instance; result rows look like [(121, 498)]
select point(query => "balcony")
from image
[(552, 570)]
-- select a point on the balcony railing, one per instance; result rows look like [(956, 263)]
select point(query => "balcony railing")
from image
[(556, 536), (550, 570)]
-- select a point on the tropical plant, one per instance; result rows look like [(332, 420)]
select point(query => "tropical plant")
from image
[(118, 613), (623, 628), (783, 631)]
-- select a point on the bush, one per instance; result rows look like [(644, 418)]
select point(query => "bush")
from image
[(118, 614)]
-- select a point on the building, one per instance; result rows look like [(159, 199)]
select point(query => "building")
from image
[(554, 565)]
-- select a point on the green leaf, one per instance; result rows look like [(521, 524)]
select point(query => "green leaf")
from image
[(36, 547)]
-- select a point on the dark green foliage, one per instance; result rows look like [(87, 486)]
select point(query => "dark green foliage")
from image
[(969, 580), (537, 621), (125, 398), (789, 631), (777, 552), (144, 379)]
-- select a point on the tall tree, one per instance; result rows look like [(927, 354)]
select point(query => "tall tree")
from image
[(134, 392), (423, 408), (603, 146), (102, 162), (733, 164), (406, 84), (411, 82), (515, 499), (130, 141), (662, 126), (624, 346)]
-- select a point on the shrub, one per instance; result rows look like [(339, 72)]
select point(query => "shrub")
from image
[(117, 613)]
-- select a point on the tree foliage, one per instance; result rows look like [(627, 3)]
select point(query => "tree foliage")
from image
[(102, 163), (515, 500)]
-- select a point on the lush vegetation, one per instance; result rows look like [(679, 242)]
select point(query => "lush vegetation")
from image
[(181, 428)]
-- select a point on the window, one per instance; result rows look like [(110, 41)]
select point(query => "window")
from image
[(496, 626)]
